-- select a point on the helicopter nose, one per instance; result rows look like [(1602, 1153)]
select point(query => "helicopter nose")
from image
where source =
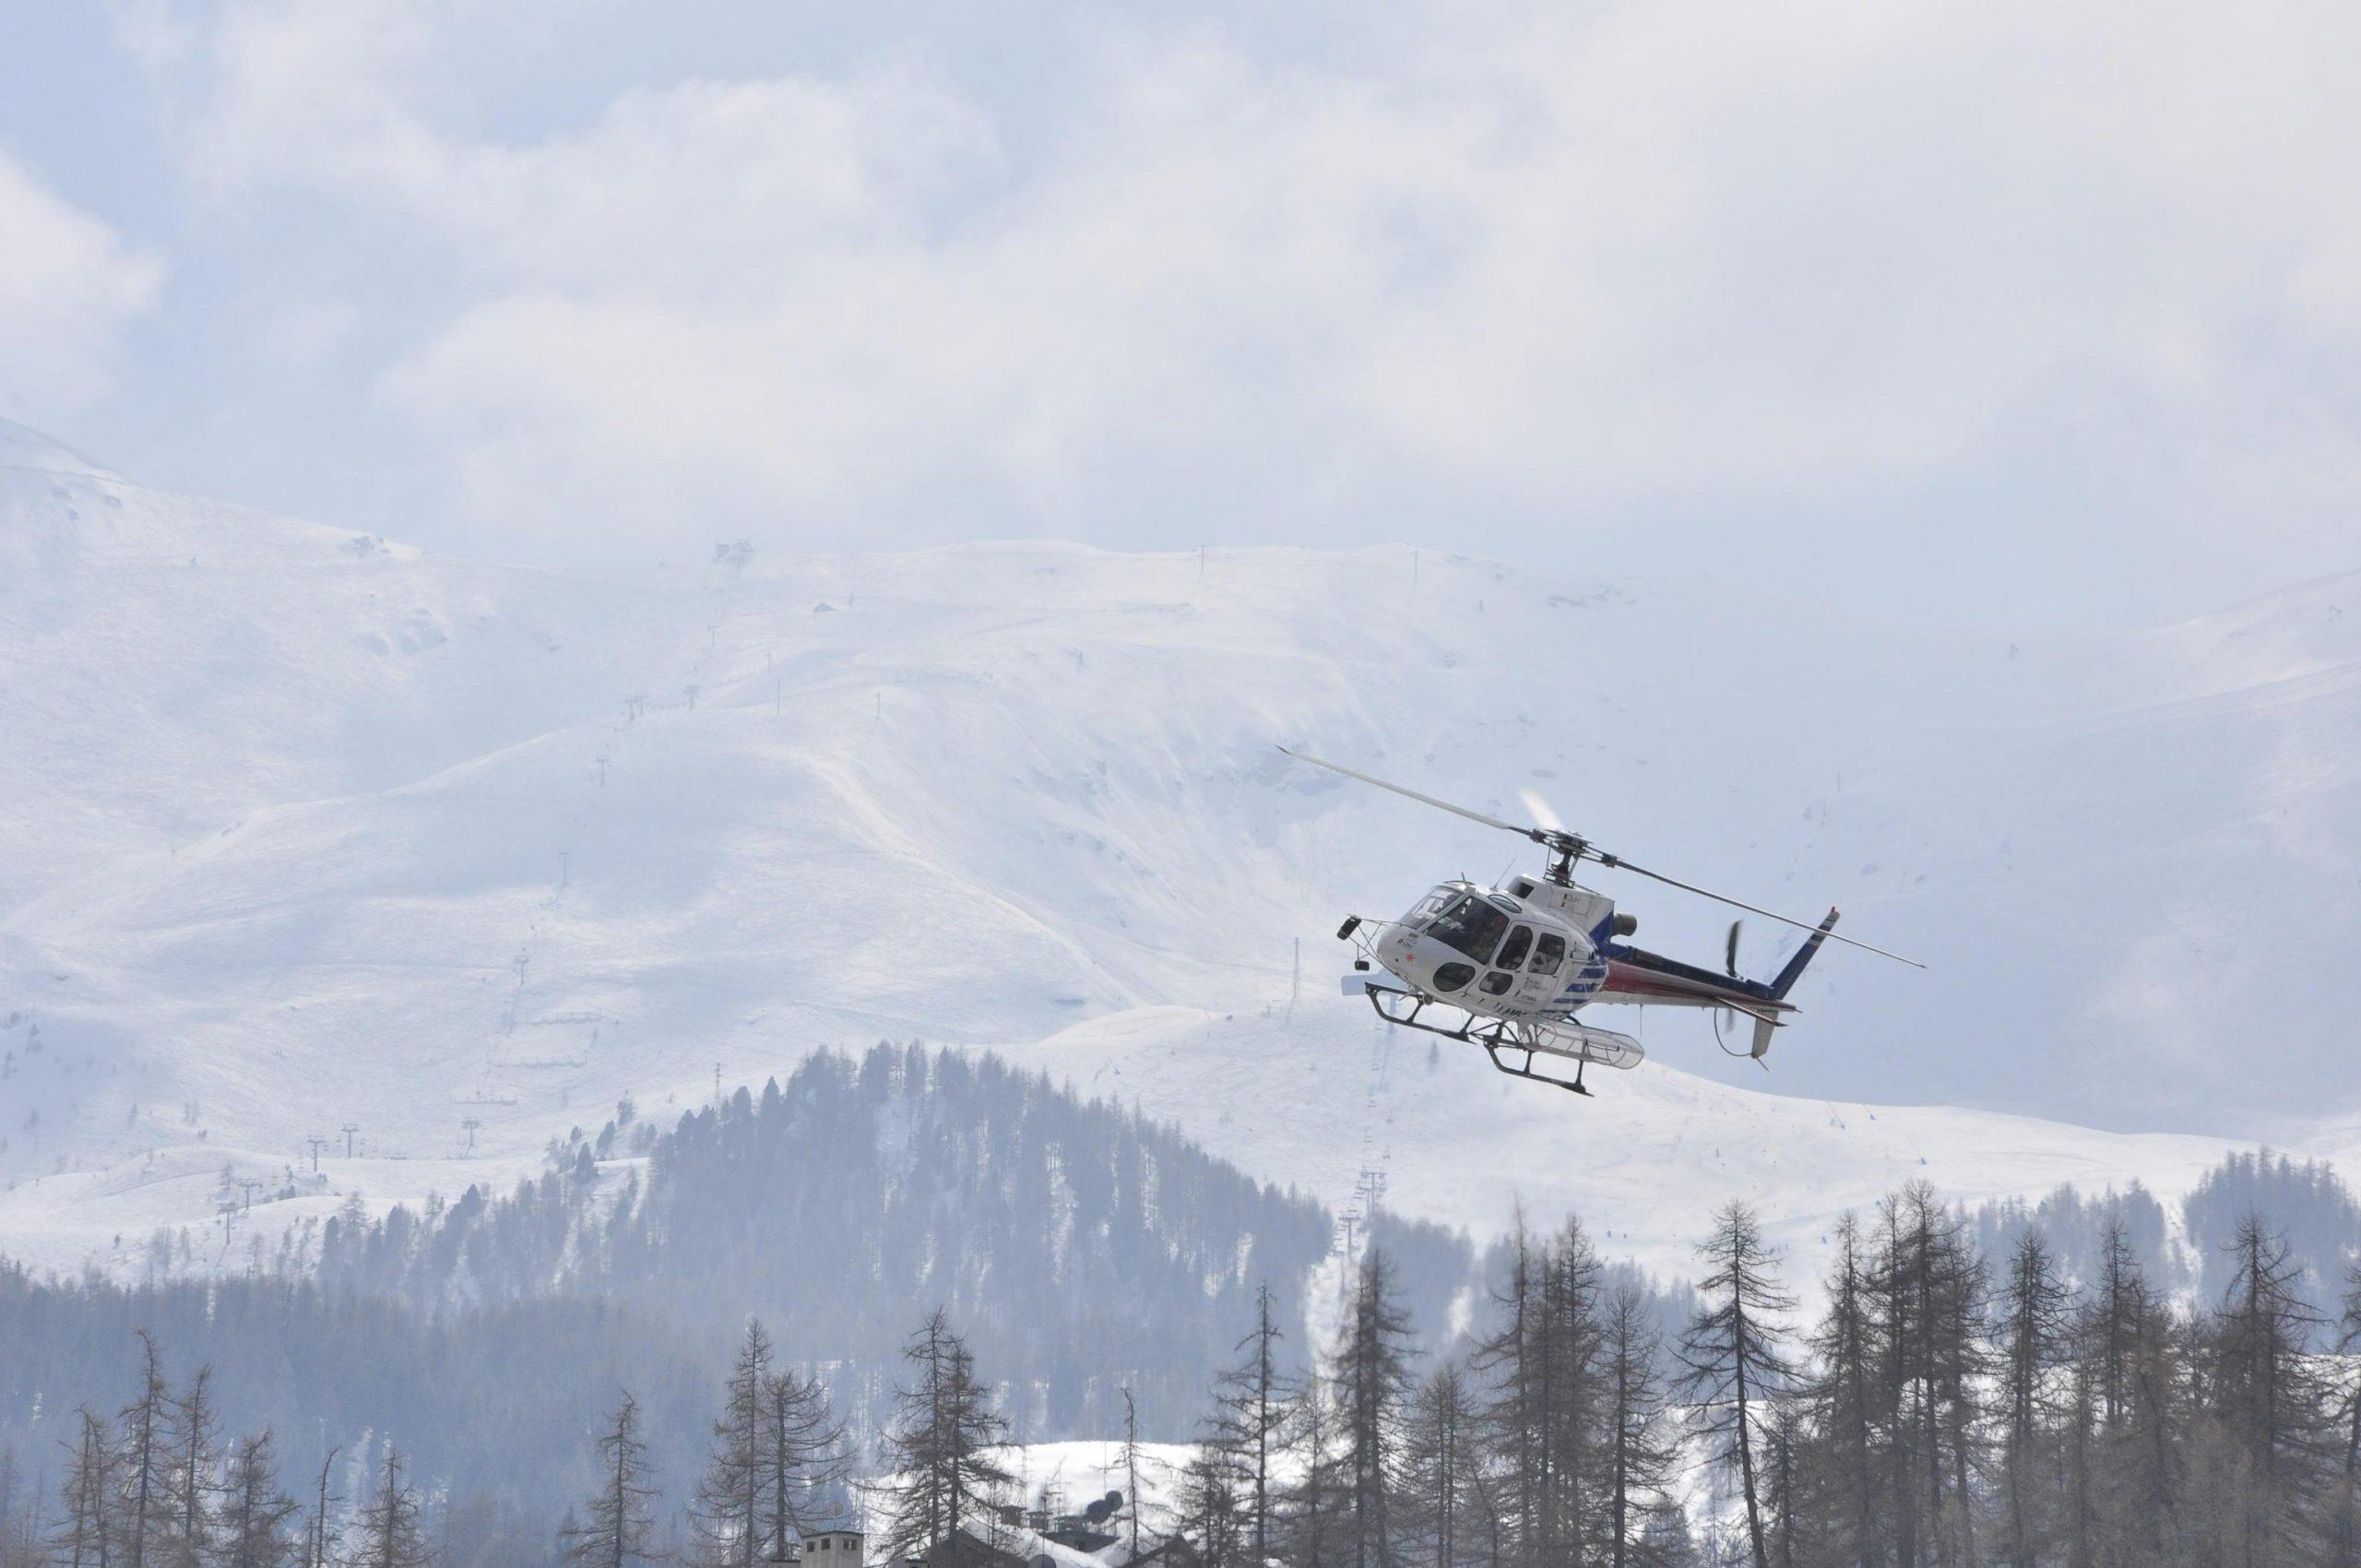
[(1428, 966)]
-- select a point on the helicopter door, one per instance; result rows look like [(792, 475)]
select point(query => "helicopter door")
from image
[(1545, 975), (1504, 978)]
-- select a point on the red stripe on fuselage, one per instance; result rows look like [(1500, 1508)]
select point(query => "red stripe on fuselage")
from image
[(1633, 982)]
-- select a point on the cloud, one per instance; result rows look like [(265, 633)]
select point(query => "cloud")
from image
[(68, 288), (305, 335), (1675, 257), (285, 91)]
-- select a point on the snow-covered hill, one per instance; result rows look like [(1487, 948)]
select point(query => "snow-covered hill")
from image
[(300, 828)]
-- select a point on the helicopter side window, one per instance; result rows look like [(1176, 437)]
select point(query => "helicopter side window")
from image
[(1470, 926), (1519, 944), (1548, 954)]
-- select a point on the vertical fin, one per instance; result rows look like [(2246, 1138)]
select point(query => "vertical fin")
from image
[(1794, 968)]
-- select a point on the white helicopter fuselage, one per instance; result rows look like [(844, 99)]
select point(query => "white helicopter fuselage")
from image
[(1523, 951), (1517, 961)]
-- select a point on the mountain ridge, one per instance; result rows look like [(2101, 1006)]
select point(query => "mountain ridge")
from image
[(324, 828)]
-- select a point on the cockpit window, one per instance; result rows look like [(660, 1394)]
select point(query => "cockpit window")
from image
[(1548, 954), (1428, 907), (1470, 926), (1520, 943)]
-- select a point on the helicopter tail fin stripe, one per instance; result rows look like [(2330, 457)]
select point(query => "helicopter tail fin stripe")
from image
[(1795, 966)]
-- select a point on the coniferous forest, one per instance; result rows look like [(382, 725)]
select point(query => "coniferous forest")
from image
[(842, 1299)]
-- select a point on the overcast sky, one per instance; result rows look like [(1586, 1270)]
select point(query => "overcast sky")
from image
[(1984, 310)]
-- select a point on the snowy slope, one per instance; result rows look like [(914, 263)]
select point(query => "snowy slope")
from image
[(299, 828)]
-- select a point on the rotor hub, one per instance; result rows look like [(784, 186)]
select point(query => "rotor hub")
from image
[(1566, 851)]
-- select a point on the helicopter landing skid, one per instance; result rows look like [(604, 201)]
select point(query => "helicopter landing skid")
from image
[(1577, 1043)]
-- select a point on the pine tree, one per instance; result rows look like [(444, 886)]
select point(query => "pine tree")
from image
[(144, 1459), (391, 1524), (191, 1443), (1669, 1542), (2036, 1316), (1212, 1512), (1640, 1455), (84, 1538), (1439, 1459), (1486, 1524), (2122, 1305), (2268, 1402), (320, 1528), (1252, 1413), (1573, 1420), (1963, 1371), (1313, 1508), (23, 1521), (2126, 1501), (727, 1509), (1898, 1333), (1732, 1354), (1783, 1438), (1545, 1411), (2079, 1465), (941, 1446), (1849, 1397), (622, 1525), (1513, 1359), (1372, 1385), (2344, 1512), (803, 1457), (255, 1514), (1135, 1506), (1930, 1287)]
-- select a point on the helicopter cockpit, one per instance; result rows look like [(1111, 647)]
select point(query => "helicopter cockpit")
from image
[(1462, 920), (1459, 930)]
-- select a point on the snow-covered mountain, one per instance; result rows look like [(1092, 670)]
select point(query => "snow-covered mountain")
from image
[(300, 828)]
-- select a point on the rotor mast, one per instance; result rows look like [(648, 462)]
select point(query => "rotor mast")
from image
[(1566, 846)]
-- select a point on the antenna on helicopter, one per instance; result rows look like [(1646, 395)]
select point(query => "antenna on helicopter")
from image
[(1568, 849)]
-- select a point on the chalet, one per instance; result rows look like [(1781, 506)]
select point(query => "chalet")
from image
[(828, 1549)]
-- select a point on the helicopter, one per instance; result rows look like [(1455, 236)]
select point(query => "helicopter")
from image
[(1507, 968)]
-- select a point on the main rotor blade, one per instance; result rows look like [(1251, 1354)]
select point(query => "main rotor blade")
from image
[(1540, 811), (1752, 908), (1429, 800)]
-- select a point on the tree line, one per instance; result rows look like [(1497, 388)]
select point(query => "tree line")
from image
[(1071, 1237), (157, 1485), (1942, 1409), (1090, 1255)]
